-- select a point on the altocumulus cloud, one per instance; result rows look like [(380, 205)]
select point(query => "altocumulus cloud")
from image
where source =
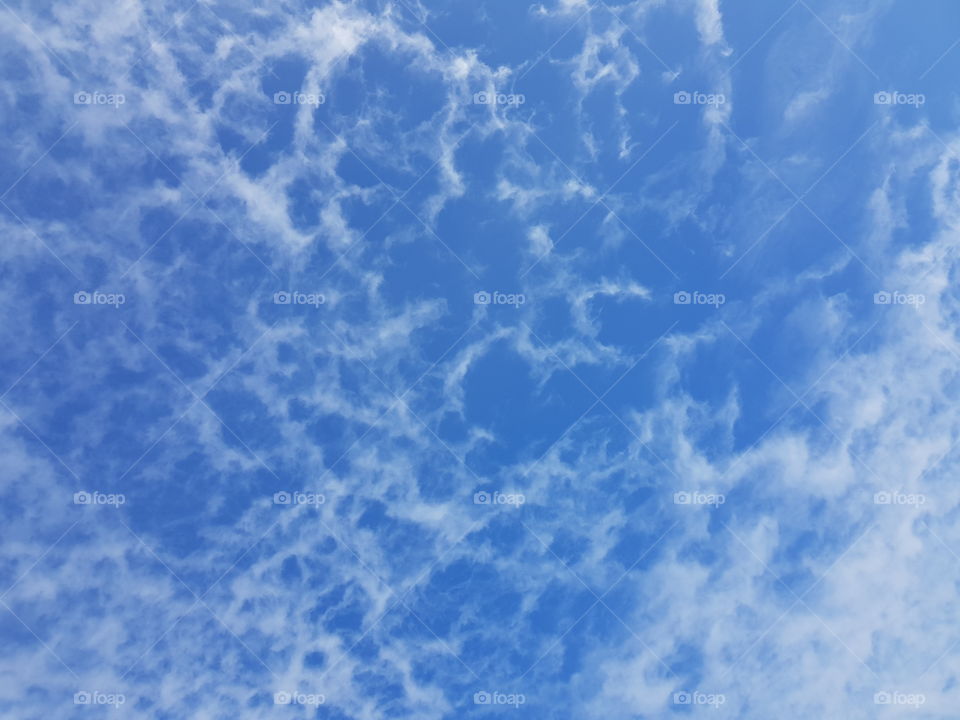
[(439, 360)]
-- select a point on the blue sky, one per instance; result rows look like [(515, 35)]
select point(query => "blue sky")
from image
[(390, 358)]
